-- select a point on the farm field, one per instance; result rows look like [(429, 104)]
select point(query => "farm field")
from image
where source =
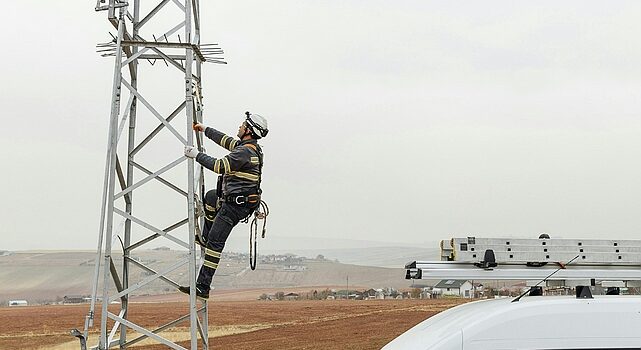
[(249, 324)]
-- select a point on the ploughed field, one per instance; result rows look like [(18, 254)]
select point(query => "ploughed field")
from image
[(256, 325)]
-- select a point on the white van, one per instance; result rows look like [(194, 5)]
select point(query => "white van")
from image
[(550, 323)]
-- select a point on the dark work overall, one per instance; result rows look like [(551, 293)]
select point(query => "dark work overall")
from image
[(226, 218)]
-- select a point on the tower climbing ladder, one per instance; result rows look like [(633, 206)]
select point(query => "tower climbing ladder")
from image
[(166, 184)]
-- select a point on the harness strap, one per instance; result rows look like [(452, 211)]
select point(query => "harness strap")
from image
[(241, 199), (260, 161)]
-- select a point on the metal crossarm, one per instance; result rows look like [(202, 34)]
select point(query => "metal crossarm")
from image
[(126, 172)]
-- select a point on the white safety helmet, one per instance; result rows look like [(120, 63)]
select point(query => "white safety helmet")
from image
[(257, 124)]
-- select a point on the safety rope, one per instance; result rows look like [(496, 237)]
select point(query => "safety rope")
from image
[(199, 213), (260, 214)]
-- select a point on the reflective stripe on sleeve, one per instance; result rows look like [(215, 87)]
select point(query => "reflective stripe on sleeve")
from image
[(223, 140), (226, 164), (246, 176)]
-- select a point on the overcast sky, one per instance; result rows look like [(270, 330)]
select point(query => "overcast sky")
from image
[(390, 121)]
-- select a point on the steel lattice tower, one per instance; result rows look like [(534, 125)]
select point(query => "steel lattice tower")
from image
[(183, 56)]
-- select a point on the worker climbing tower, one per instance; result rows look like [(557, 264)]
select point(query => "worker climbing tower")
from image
[(149, 185)]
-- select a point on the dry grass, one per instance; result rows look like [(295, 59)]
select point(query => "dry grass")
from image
[(256, 325)]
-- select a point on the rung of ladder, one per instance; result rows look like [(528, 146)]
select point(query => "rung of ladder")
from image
[(472, 249), (468, 271)]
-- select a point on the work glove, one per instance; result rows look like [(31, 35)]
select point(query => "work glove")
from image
[(191, 151)]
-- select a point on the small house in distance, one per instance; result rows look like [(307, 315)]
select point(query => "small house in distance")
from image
[(18, 303), (460, 288), (75, 299)]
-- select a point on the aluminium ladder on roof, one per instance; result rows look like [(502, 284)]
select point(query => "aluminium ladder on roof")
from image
[(532, 259), (543, 250)]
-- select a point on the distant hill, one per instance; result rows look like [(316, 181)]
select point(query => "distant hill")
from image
[(347, 251), (50, 275), (393, 257)]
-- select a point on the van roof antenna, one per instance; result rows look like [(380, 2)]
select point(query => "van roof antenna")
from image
[(561, 267)]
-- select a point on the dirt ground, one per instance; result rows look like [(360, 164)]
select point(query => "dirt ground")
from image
[(238, 325)]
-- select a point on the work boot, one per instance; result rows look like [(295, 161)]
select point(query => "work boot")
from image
[(199, 293)]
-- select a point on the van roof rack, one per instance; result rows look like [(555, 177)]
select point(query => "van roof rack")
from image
[(475, 258)]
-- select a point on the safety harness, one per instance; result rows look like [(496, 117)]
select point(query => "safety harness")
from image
[(260, 213), (253, 199)]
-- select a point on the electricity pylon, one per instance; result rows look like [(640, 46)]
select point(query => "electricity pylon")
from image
[(165, 98)]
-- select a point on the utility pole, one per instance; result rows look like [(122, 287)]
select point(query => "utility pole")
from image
[(180, 54)]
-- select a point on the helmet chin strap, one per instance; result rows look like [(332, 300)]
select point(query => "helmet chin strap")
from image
[(247, 132)]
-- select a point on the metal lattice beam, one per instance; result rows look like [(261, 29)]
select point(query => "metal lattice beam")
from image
[(130, 48)]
